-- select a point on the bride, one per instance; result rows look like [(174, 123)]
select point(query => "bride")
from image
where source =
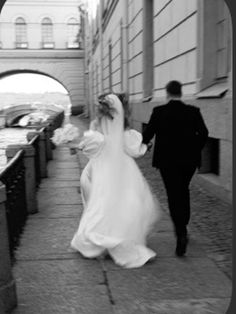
[(119, 208)]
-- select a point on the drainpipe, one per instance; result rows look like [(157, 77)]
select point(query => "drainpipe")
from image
[(101, 5), (125, 61), (83, 10)]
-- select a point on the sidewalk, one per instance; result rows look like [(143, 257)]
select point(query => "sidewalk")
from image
[(51, 278)]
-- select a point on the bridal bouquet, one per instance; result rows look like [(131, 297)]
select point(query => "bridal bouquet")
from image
[(67, 134)]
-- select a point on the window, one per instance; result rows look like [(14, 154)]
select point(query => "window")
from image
[(47, 33), (221, 50), (73, 33), (210, 157), (214, 43), (21, 33), (147, 48)]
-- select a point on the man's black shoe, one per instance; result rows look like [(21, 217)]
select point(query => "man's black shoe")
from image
[(181, 246)]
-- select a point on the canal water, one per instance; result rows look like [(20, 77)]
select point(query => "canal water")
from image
[(18, 135), (10, 136)]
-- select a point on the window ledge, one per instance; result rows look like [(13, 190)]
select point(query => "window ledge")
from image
[(47, 45), (217, 90), (147, 99)]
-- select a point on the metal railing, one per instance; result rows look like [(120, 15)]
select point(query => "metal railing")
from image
[(13, 177)]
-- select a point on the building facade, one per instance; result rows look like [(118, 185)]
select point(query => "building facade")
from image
[(44, 37), (40, 24), (138, 46)]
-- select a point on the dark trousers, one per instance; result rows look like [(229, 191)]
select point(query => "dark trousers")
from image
[(176, 179)]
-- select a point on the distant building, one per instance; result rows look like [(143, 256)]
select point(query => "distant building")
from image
[(38, 24), (45, 37), (138, 46)]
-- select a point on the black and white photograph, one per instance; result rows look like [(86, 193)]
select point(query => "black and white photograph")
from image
[(116, 157)]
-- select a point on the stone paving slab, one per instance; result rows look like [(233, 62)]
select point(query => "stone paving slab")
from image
[(71, 301), (64, 195), (59, 211), (65, 174), (62, 165), (168, 279), (47, 238), (64, 157), (164, 224), (186, 306), (164, 245), (62, 286), (69, 176), (55, 183)]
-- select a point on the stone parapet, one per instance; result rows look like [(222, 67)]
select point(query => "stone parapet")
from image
[(30, 175), (8, 299), (42, 150)]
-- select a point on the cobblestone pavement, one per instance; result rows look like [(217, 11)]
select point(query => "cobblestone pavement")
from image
[(210, 217)]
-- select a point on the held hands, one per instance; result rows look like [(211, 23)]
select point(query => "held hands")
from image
[(149, 146), (73, 147)]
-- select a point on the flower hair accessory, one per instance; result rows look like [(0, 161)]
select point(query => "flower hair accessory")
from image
[(105, 108)]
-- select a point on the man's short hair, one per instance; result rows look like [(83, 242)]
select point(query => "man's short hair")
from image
[(174, 88)]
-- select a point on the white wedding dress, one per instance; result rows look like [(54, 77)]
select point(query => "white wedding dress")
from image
[(119, 208)]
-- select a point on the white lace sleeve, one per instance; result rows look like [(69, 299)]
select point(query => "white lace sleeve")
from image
[(91, 143), (133, 143)]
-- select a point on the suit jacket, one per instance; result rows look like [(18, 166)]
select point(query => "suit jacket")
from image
[(180, 134)]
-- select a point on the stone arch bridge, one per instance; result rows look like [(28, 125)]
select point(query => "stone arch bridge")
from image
[(65, 66), (12, 114)]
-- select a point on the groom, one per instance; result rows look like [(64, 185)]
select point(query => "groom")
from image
[(180, 134)]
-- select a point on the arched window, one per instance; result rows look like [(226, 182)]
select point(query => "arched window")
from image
[(73, 33), (47, 33), (21, 33)]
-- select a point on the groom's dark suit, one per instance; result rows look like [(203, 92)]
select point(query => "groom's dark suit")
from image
[(180, 134)]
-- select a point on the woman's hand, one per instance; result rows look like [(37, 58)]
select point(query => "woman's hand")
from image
[(73, 147)]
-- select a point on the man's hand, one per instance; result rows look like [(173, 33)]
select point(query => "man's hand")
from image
[(73, 147), (149, 146)]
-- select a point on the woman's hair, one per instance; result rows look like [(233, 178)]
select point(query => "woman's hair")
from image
[(123, 97), (104, 109)]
